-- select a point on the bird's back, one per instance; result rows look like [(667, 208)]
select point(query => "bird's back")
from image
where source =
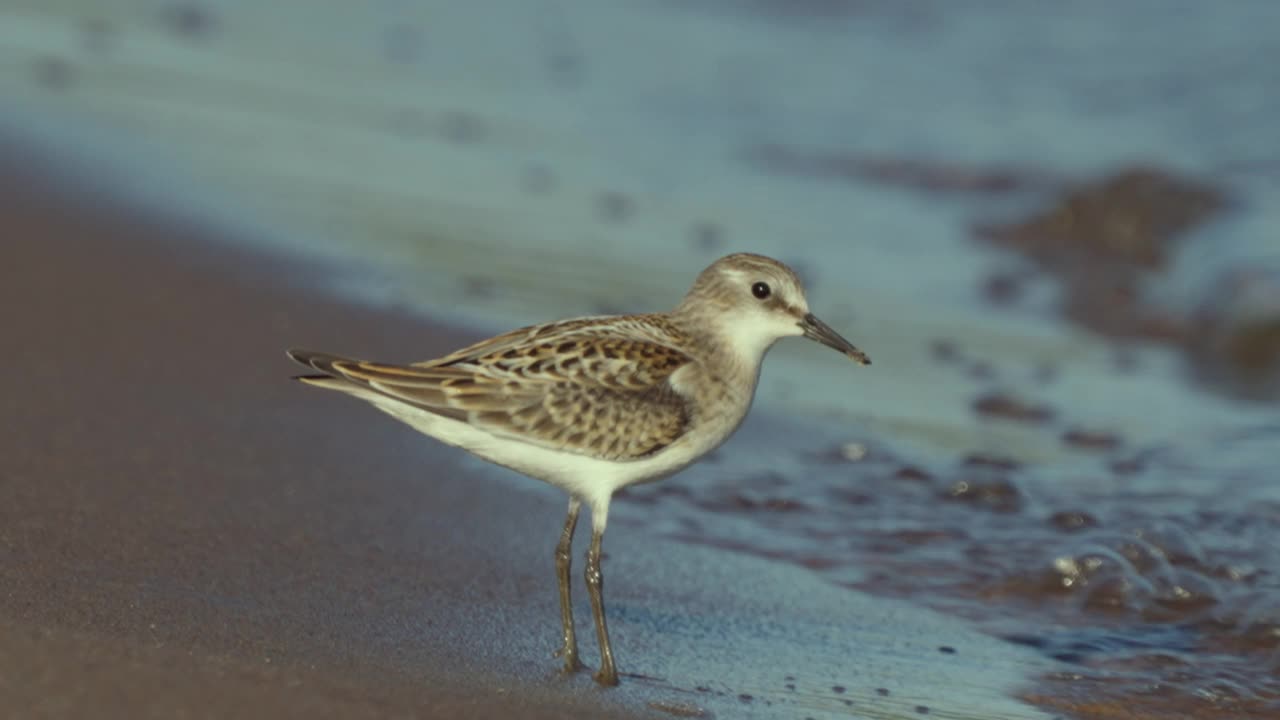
[(598, 387)]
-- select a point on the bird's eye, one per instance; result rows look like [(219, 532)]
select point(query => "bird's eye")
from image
[(761, 290)]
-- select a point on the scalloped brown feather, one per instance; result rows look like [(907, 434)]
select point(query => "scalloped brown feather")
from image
[(586, 386)]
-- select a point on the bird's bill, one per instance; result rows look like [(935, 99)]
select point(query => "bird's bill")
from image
[(816, 330)]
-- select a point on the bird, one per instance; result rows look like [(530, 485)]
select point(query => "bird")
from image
[(592, 405)]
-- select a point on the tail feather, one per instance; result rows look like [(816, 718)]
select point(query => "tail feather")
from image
[(324, 362), (346, 375), (327, 382), (331, 379)]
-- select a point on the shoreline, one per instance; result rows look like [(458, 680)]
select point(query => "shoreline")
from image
[(188, 531)]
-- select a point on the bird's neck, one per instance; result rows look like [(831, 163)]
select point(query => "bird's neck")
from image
[(730, 354)]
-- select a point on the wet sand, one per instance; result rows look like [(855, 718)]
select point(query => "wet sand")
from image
[(1033, 451), (184, 532)]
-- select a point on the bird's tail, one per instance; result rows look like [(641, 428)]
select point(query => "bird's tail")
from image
[(371, 382), (331, 379)]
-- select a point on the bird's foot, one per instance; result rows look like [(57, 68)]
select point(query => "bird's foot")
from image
[(607, 676), (571, 662)]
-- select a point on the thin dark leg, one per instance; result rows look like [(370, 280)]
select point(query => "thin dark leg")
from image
[(564, 557), (608, 675)]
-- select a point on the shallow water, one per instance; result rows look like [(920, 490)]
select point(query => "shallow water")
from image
[(1076, 449)]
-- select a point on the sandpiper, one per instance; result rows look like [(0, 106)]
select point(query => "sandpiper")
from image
[(595, 404)]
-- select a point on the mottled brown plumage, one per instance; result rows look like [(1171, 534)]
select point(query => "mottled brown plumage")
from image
[(577, 386)]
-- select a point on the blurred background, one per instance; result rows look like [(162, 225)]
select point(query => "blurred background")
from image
[(1054, 227)]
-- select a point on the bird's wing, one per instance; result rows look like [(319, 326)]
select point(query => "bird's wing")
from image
[(582, 388)]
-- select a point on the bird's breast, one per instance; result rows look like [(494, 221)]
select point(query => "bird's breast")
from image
[(720, 403)]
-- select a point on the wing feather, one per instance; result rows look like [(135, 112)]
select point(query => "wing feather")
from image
[(573, 386)]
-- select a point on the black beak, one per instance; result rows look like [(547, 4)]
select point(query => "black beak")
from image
[(815, 329)]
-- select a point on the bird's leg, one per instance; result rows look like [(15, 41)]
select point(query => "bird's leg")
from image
[(564, 557), (608, 675)]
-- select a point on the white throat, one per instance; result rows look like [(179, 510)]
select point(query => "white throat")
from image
[(748, 339)]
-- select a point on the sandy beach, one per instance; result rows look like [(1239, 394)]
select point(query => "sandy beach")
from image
[(186, 533), (1055, 237)]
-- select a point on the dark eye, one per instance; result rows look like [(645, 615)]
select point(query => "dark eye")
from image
[(761, 290)]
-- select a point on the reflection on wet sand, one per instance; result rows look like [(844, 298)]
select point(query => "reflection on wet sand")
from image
[(1072, 437)]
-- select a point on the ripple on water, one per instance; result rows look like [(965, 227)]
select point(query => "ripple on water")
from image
[(1139, 581)]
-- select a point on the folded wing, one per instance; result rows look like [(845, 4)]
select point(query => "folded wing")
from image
[(608, 397)]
